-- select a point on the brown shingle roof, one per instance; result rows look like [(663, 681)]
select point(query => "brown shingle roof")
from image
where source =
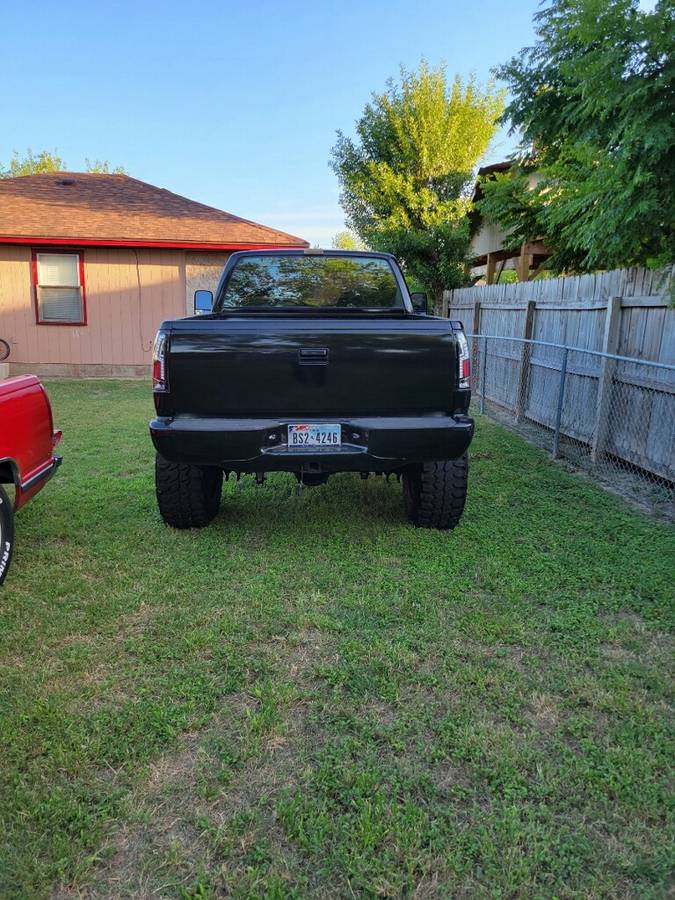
[(91, 207)]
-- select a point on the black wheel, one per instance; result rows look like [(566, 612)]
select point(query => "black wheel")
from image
[(188, 496), (4, 350), (434, 493), (6, 533)]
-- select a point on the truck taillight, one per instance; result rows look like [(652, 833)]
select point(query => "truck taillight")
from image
[(464, 360), (159, 380)]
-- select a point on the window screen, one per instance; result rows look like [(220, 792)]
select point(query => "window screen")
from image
[(59, 290)]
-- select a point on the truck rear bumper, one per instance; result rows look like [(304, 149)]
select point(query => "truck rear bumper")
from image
[(260, 445)]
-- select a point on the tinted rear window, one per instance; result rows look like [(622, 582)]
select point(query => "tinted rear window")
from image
[(318, 282)]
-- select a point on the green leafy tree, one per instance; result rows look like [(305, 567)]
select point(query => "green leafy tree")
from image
[(103, 166), (405, 177), (47, 161), (594, 100), (347, 240), (32, 164)]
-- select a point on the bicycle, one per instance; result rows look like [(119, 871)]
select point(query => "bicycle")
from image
[(4, 350)]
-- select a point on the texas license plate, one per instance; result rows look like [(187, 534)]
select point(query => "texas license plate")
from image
[(301, 436)]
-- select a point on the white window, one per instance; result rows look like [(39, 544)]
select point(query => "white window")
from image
[(59, 288)]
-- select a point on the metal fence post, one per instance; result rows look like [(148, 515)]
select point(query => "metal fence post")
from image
[(561, 397), (482, 384)]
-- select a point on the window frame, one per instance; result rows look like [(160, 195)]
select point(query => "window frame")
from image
[(58, 251)]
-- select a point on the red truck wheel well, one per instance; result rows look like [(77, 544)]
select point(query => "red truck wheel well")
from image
[(8, 473)]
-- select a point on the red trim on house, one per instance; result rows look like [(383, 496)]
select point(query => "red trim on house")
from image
[(34, 272), (168, 245)]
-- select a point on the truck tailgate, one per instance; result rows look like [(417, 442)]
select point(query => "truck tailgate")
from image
[(290, 367)]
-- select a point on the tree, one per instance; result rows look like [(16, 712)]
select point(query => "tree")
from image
[(32, 164), (594, 99), (347, 240), (48, 161), (103, 167), (405, 178)]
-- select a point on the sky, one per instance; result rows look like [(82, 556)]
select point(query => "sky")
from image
[(234, 104)]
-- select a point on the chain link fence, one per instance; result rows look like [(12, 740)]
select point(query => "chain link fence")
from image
[(610, 416)]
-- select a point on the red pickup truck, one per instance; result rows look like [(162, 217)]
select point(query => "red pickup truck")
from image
[(27, 459)]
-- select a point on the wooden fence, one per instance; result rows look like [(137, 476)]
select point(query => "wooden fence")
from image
[(619, 407)]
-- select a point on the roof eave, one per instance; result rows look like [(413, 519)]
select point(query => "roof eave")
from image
[(168, 245)]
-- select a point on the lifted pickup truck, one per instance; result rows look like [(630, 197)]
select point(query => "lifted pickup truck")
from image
[(27, 459), (311, 362)]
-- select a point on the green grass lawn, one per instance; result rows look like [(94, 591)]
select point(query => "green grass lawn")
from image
[(310, 697)]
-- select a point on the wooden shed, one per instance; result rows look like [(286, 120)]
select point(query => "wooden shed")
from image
[(90, 264), (488, 254)]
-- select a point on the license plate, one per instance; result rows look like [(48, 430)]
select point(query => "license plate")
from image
[(301, 436)]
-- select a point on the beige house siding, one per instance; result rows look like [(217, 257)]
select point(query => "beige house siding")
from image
[(488, 238), (128, 293), (202, 271), (491, 238)]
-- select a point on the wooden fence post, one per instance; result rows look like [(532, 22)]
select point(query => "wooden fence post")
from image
[(610, 344), (524, 365), (475, 329), (446, 304)]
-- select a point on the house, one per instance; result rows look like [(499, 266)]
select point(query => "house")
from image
[(90, 264), (487, 253)]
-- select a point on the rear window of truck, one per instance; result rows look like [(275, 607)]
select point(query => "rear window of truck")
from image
[(316, 282)]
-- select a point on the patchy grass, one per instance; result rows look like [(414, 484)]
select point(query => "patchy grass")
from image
[(312, 698)]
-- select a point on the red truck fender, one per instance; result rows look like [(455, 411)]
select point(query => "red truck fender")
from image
[(27, 436), (27, 458)]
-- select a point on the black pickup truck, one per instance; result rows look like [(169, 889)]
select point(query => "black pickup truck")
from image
[(311, 362)]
